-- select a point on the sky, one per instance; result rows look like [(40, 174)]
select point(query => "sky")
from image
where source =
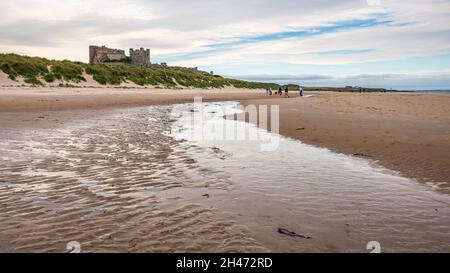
[(373, 43)]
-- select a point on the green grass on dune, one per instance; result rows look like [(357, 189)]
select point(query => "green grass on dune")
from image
[(37, 70)]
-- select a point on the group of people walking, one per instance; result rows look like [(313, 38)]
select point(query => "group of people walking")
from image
[(269, 92)]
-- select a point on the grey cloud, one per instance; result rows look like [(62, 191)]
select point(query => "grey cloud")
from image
[(279, 78), (173, 15), (206, 22), (192, 15), (149, 43), (394, 81), (48, 33), (188, 15), (34, 32)]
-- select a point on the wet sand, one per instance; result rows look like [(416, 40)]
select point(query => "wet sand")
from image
[(115, 179), (128, 180), (408, 133)]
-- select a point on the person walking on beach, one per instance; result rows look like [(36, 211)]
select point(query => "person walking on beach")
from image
[(301, 91), (280, 91), (270, 91), (286, 92)]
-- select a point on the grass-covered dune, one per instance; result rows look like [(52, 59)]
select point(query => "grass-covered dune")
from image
[(38, 71)]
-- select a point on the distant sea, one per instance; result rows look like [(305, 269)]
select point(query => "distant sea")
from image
[(426, 91)]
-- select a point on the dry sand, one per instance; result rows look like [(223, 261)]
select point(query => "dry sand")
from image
[(408, 133), (29, 99)]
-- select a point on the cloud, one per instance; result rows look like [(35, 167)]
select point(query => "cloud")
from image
[(189, 26), (52, 32), (426, 81), (344, 34), (285, 78)]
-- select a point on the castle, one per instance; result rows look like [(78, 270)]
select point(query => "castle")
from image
[(101, 55), (140, 56)]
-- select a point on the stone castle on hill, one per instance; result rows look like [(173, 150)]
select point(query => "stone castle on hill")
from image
[(138, 57), (104, 55)]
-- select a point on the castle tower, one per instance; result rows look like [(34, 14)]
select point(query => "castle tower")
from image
[(92, 53), (140, 56)]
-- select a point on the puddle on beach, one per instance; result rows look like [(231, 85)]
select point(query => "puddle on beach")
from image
[(140, 180)]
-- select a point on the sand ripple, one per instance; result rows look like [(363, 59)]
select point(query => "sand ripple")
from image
[(131, 181), (118, 183)]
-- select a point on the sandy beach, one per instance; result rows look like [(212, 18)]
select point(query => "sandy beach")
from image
[(111, 169), (224, 127), (409, 133), (49, 106), (29, 99)]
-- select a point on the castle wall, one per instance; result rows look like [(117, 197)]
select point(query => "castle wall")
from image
[(105, 55)]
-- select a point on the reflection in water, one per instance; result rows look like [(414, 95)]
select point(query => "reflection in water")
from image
[(115, 183), (137, 180), (342, 202)]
